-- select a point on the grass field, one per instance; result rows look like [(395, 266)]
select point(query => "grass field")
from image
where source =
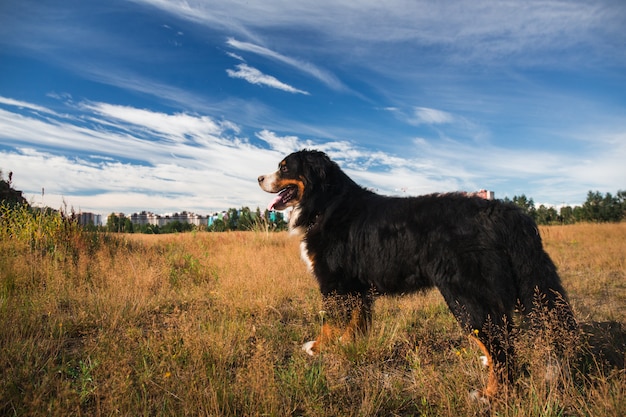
[(212, 324)]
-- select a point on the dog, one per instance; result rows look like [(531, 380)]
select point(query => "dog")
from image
[(485, 256)]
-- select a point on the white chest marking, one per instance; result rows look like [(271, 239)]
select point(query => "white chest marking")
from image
[(293, 218), (304, 254)]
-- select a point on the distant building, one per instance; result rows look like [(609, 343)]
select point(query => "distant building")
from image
[(487, 195), (140, 218), (145, 217), (89, 219)]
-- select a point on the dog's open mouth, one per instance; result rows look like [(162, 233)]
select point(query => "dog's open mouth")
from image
[(283, 198)]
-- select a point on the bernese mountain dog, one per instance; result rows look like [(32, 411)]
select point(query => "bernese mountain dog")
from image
[(484, 256)]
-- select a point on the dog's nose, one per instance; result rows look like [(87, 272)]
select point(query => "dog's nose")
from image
[(261, 178)]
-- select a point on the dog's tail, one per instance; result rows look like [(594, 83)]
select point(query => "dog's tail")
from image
[(539, 286)]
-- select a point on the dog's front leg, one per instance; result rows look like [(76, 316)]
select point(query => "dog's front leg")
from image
[(344, 317)]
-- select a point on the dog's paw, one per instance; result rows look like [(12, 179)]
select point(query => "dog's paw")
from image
[(477, 395), (308, 348), (484, 361), (554, 371)]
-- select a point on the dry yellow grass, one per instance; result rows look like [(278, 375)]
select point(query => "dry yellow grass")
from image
[(212, 324), (592, 263)]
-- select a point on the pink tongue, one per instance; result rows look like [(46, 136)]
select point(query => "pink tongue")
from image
[(271, 205)]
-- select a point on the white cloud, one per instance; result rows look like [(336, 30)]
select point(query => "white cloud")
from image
[(343, 151), (425, 115), (235, 56), (24, 105), (324, 76), (283, 144), (254, 76), (216, 173), (177, 126)]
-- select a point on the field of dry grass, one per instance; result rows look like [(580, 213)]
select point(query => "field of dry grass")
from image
[(212, 324)]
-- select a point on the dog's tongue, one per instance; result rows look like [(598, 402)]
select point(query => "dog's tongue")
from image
[(275, 201), (278, 199)]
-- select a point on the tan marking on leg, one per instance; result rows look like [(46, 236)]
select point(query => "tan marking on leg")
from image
[(359, 318), (328, 333), (492, 383), (358, 323)]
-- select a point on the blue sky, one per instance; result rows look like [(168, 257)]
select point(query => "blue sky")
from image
[(167, 105)]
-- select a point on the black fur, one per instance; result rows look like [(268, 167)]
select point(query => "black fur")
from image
[(485, 257)]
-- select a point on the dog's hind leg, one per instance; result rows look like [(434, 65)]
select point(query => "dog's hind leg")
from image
[(487, 318), (493, 381)]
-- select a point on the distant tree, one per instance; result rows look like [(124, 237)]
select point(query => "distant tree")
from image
[(217, 226), (621, 200), (546, 215), (275, 220), (578, 213), (599, 208), (149, 229), (177, 226), (527, 205), (127, 226), (8, 195), (279, 221), (566, 215), (119, 224), (113, 223), (612, 210), (245, 220), (591, 207), (232, 219), (172, 227)]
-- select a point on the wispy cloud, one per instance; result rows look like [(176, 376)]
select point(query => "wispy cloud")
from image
[(254, 76), (235, 56), (322, 75), (24, 105), (177, 127), (282, 144), (424, 115), (480, 31)]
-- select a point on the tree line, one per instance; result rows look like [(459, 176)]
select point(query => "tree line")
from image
[(242, 219), (598, 208)]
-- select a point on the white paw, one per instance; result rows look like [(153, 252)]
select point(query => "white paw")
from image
[(553, 370), (476, 395), (308, 347), (484, 360)]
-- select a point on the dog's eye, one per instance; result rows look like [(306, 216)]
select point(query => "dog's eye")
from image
[(283, 168)]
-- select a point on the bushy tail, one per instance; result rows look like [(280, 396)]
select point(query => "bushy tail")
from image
[(544, 300), (539, 286)]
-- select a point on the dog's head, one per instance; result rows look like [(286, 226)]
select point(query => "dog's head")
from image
[(298, 178)]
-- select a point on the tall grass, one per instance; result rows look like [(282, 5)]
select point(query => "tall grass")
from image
[(212, 324)]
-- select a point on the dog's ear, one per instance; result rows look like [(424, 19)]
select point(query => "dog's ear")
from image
[(317, 165)]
